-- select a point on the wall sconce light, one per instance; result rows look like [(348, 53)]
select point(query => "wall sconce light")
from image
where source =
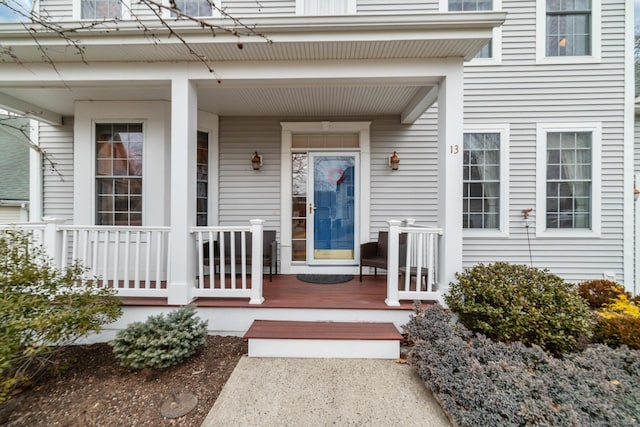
[(394, 161), (256, 161), (636, 194)]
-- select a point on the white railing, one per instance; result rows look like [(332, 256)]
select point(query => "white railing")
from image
[(415, 261), (222, 261), (132, 260)]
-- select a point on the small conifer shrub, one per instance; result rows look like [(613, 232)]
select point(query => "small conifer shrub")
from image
[(509, 303), (161, 341)]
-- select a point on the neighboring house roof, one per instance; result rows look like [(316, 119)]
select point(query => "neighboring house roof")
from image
[(14, 161)]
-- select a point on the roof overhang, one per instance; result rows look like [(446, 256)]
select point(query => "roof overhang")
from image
[(336, 41), (438, 35)]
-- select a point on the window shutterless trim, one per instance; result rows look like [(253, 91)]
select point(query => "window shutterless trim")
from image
[(543, 129), (541, 37), (504, 131)]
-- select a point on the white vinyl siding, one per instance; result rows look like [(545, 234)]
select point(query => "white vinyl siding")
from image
[(522, 94), (10, 214), (261, 7), (57, 9), (57, 142), (399, 6)]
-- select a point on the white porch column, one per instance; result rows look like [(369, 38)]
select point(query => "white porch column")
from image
[(450, 147), (182, 255), (393, 249)]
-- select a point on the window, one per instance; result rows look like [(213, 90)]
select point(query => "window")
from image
[(568, 28), (119, 173), (467, 5), (325, 7), (202, 180), (481, 180), (474, 6), (568, 31), (568, 179), (194, 7), (101, 9)]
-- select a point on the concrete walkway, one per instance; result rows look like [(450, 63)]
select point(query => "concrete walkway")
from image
[(322, 392)]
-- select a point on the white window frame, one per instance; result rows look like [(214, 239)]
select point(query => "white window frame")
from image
[(496, 40), (351, 7), (541, 37), (541, 179), (77, 10), (503, 130), (215, 13)]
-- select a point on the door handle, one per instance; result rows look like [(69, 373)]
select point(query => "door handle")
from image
[(311, 208)]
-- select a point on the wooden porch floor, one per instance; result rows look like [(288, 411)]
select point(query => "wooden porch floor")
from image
[(286, 291)]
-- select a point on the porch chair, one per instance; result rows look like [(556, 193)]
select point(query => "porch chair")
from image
[(269, 250), (374, 254)]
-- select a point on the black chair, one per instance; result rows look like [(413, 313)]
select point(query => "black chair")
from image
[(374, 254), (269, 250)]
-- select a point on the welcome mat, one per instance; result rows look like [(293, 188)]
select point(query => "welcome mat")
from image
[(325, 279)]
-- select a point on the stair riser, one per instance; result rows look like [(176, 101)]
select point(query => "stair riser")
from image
[(333, 349)]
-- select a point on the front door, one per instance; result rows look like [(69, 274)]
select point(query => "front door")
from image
[(332, 208)]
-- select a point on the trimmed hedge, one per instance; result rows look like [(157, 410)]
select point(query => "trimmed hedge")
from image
[(599, 293), (481, 382), (510, 303)]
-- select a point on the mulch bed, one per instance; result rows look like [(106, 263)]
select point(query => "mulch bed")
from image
[(94, 390)]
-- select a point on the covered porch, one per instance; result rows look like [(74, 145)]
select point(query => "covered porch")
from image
[(391, 83)]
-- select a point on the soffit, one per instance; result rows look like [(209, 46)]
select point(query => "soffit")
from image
[(256, 101)]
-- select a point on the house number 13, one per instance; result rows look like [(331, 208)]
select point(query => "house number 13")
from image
[(454, 149)]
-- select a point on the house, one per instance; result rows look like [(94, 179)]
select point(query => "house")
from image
[(491, 106), (14, 170)]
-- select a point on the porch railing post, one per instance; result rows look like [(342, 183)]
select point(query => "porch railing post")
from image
[(393, 249), (51, 241), (256, 261)]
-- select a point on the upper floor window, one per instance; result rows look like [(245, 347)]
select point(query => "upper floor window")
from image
[(568, 178), (119, 173), (475, 6), (194, 7), (325, 7), (568, 29), (101, 9), (465, 5)]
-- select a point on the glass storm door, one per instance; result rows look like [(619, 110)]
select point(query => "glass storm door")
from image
[(332, 208)]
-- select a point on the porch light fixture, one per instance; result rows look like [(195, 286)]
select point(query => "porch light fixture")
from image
[(636, 194), (394, 161), (256, 161)]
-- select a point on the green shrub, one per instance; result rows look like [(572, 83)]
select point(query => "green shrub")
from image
[(481, 382), (599, 292), (42, 307), (518, 303), (618, 323), (161, 341)]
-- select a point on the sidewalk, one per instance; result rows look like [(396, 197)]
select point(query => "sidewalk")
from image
[(321, 392)]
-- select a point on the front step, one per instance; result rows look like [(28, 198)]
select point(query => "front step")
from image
[(271, 338)]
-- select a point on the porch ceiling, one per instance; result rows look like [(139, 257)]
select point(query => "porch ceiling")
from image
[(302, 101)]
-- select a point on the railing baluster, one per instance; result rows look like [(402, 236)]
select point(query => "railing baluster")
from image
[(243, 260), (159, 246), (116, 254), (200, 249), (136, 271), (127, 242), (212, 264), (147, 266)]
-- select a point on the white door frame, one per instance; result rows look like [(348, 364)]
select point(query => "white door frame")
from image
[(290, 128)]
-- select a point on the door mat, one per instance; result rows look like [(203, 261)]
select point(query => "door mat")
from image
[(325, 279)]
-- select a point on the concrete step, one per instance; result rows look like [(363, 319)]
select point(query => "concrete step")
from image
[(355, 340)]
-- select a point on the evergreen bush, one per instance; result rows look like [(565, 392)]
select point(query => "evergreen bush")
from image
[(161, 341), (42, 308), (481, 382), (510, 303)]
